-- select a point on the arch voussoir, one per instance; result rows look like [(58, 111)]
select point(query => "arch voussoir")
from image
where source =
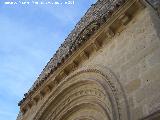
[(91, 83)]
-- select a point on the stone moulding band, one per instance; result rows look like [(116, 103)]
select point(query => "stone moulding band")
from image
[(95, 27), (113, 88), (95, 17)]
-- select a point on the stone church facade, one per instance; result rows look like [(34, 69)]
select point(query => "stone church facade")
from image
[(108, 68)]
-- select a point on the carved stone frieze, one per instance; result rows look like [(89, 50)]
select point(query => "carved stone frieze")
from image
[(84, 83), (95, 17), (106, 69), (93, 93), (53, 77)]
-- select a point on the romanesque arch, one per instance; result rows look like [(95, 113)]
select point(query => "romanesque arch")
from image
[(90, 93)]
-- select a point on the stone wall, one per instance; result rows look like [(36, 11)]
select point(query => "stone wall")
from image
[(134, 57), (126, 69)]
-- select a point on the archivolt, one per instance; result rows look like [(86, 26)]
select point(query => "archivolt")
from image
[(95, 85)]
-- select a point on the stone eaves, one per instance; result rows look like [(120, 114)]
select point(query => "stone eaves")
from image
[(95, 17)]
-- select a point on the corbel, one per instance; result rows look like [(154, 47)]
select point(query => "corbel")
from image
[(75, 64), (96, 45), (56, 80), (64, 73), (53, 83), (84, 55), (49, 88), (23, 110), (110, 33), (36, 99), (124, 19), (42, 94), (30, 104)]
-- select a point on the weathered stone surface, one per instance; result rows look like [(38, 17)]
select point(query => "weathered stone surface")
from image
[(137, 113), (95, 17), (118, 81), (132, 86)]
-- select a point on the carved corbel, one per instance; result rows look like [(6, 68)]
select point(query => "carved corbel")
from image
[(23, 110), (71, 66), (53, 83), (56, 81), (124, 19), (29, 104), (42, 94), (110, 33), (84, 55), (46, 90), (66, 72), (49, 88), (75, 64), (36, 99), (96, 45), (63, 73), (26, 107)]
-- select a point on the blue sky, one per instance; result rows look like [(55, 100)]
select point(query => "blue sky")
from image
[(29, 36)]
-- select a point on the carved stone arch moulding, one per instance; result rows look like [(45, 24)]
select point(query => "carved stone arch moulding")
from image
[(90, 93)]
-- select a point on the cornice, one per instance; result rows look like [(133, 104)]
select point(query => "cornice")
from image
[(103, 20), (95, 17)]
